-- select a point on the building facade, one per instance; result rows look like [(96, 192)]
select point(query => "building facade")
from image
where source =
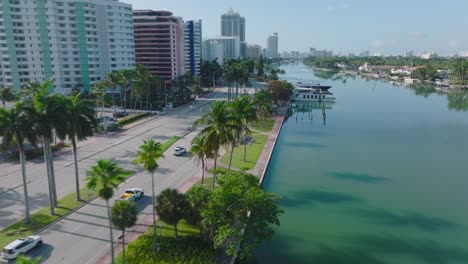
[(272, 45), (193, 46), (254, 51), (159, 42), (232, 25), (75, 43), (221, 48)]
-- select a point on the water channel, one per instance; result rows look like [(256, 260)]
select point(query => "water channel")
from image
[(381, 176)]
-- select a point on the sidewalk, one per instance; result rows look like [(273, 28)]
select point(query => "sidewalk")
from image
[(264, 159)]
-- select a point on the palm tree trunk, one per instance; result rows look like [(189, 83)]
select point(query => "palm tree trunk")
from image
[(113, 102), (155, 245), (125, 98), (245, 147), (232, 152), (141, 103), (52, 172), (51, 198), (124, 260), (237, 89), (131, 98), (214, 174), (203, 169), (147, 102), (77, 176), (175, 230), (136, 100), (27, 219), (109, 216)]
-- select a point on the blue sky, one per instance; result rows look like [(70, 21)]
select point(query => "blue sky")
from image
[(341, 25)]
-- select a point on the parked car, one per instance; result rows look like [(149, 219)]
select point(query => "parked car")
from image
[(21, 246), (132, 194), (106, 118), (120, 114), (179, 151)]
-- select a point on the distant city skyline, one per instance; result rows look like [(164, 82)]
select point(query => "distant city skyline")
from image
[(390, 27)]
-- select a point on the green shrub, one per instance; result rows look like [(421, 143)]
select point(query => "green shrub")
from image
[(133, 118), (185, 249)]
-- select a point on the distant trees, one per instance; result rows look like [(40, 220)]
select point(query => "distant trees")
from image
[(460, 71), (280, 90), (210, 72), (425, 73), (7, 94)]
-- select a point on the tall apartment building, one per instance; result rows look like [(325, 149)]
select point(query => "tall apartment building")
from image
[(254, 51), (272, 45), (221, 48), (232, 24), (193, 46), (72, 41), (159, 42)]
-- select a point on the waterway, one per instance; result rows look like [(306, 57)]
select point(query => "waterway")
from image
[(381, 176)]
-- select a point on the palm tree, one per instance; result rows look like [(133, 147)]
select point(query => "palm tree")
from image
[(46, 113), (81, 122), (125, 77), (99, 90), (217, 128), (105, 176), (172, 207), (229, 76), (113, 81), (243, 113), (14, 128), (124, 215), (199, 151), (147, 155), (7, 94)]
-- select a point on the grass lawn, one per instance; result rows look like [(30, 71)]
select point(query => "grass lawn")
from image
[(266, 127), (167, 144), (189, 247), (254, 149), (207, 182), (42, 218)]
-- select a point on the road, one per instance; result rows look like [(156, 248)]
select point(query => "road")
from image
[(82, 237)]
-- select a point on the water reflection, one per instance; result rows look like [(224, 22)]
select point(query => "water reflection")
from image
[(307, 109)]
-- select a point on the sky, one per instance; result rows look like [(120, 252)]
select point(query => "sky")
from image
[(348, 26)]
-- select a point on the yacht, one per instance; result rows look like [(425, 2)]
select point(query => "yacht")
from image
[(312, 85), (311, 93)]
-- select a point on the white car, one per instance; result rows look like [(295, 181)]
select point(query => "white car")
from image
[(21, 246), (179, 151)]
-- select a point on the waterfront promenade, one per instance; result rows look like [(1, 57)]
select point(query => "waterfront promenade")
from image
[(259, 171)]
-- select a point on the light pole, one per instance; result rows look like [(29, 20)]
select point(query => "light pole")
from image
[(165, 94)]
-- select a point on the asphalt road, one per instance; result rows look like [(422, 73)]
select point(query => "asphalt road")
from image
[(83, 236)]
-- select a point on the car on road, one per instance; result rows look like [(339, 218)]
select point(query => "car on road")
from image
[(179, 151), (21, 246), (105, 118), (131, 194)]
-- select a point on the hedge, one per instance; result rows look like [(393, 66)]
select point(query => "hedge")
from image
[(133, 118)]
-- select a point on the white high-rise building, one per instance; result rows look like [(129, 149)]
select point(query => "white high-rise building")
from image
[(272, 45), (74, 42), (193, 46), (221, 48), (232, 25)]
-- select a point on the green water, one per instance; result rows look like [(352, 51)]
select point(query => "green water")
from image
[(384, 181)]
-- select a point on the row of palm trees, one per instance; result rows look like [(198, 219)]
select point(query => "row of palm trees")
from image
[(137, 83), (38, 117), (225, 124)]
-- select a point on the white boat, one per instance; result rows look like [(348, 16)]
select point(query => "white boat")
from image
[(302, 94)]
